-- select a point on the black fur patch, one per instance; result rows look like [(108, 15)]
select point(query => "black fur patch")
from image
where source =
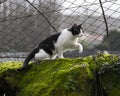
[(75, 29), (48, 44)]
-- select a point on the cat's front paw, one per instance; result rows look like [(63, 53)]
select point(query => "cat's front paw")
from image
[(61, 57), (80, 49)]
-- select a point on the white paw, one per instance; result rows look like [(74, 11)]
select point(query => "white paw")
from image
[(80, 48), (80, 51), (61, 57)]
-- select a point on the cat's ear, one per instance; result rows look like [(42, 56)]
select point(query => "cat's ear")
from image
[(75, 25), (80, 25)]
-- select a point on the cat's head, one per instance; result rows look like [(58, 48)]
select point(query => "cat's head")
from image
[(77, 30)]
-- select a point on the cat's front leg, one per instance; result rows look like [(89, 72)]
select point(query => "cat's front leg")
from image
[(60, 53), (79, 47)]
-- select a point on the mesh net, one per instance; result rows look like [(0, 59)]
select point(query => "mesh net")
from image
[(22, 27)]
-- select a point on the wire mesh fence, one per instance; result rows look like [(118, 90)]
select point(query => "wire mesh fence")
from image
[(22, 27)]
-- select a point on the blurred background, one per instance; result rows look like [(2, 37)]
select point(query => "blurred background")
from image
[(22, 27)]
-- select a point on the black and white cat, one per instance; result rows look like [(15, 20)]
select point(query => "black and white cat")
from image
[(56, 44)]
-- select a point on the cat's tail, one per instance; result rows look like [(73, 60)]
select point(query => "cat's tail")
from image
[(28, 58)]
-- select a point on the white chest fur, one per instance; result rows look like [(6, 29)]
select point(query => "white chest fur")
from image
[(66, 40)]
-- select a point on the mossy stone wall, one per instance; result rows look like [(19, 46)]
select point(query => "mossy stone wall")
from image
[(62, 77)]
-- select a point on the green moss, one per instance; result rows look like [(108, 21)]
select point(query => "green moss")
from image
[(60, 77)]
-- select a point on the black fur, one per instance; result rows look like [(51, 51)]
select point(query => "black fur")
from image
[(47, 45), (76, 29)]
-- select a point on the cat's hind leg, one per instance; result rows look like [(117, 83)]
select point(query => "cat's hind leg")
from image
[(54, 57), (42, 55)]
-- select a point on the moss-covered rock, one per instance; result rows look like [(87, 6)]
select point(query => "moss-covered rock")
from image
[(62, 77)]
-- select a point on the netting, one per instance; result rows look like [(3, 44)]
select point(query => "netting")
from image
[(22, 27)]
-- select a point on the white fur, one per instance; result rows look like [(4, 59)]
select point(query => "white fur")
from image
[(41, 55), (66, 41)]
